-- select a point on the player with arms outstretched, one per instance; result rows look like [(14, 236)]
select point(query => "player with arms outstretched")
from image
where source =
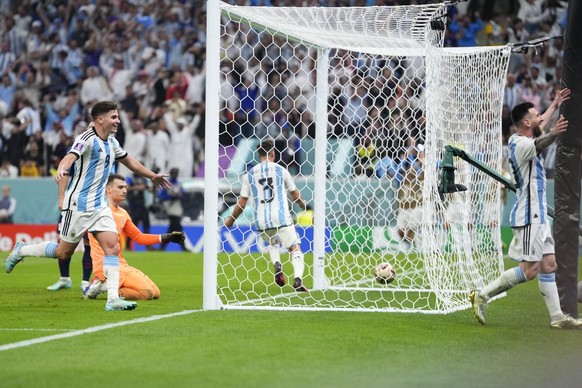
[(85, 206), (532, 244), (268, 184)]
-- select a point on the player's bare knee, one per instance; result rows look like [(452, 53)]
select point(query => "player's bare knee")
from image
[(531, 271), (531, 274), (111, 249), (549, 267)]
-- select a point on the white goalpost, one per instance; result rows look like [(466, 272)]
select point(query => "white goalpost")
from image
[(360, 103)]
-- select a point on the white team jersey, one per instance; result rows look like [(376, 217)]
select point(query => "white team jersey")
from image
[(86, 188), (267, 184), (530, 177)]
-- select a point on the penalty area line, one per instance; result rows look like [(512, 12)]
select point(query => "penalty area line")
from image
[(34, 341)]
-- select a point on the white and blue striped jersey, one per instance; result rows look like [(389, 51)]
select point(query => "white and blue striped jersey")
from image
[(527, 165), (86, 188), (268, 184)]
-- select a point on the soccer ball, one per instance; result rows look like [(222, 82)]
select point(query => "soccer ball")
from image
[(384, 273)]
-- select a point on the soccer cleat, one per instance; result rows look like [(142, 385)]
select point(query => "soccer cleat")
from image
[(84, 284), (279, 277), (479, 306), (93, 289), (119, 304), (567, 323), (298, 285), (14, 257), (61, 284)]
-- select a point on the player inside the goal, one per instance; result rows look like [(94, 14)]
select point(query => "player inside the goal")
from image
[(268, 183)]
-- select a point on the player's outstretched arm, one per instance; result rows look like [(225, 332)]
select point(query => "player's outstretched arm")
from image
[(561, 96), (134, 165), (548, 138)]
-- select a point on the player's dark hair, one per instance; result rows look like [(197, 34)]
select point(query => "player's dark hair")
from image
[(113, 177), (101, 108), (519, 112), (265, 147)]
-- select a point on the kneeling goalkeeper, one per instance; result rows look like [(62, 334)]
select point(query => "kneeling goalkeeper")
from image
[(133, 283)]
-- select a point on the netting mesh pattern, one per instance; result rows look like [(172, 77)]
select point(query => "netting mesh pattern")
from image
[(464, 101), (388, 116), (342, 27)]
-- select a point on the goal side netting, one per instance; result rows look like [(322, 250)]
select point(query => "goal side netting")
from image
[(360, 103)]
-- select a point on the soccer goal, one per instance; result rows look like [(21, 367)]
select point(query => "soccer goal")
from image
[(360, 103)]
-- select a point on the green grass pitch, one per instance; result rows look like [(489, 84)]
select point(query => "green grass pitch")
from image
[(267, 348)]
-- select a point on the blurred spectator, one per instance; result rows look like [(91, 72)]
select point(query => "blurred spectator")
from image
[(33, 163), (246, 114), (495, 31), (512, 92), (195, 79), (7, 170), (28, 116), (531, 93), (142, 84), (7, 90), (181, 155), (135, 140), (536, 78), (94, 87), (64, 119), (466, 29), (61, 148), (530, 11), (7, 58), (14, 140), (28, 168), (158, 146), (175, 103), (171, 200), (7, 206), (117, 75), (366, 158), (137, 190), (355, 113)]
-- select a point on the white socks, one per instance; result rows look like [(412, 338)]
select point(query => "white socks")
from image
[(507, 280), (111, 272), (298, 264), (274, 254), (44, 249), (549, 290)]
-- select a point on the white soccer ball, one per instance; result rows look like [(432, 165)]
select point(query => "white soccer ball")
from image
[(384, 273)]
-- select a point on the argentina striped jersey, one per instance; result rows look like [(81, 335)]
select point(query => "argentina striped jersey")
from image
[(95, 159), (529, 175), (267, 184)]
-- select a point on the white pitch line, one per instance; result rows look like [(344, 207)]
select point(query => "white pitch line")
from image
[(93, 329)]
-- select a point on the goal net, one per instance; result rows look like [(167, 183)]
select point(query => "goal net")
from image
[(360, 103)]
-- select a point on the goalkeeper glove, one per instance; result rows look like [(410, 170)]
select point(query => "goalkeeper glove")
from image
[(176, 237)]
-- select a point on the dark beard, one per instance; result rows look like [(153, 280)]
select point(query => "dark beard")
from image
[(537, 131)]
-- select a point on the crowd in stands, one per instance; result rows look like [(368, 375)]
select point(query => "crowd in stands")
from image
[(58, 57)]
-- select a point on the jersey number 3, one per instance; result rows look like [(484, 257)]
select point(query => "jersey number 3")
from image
[(267, 184)]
